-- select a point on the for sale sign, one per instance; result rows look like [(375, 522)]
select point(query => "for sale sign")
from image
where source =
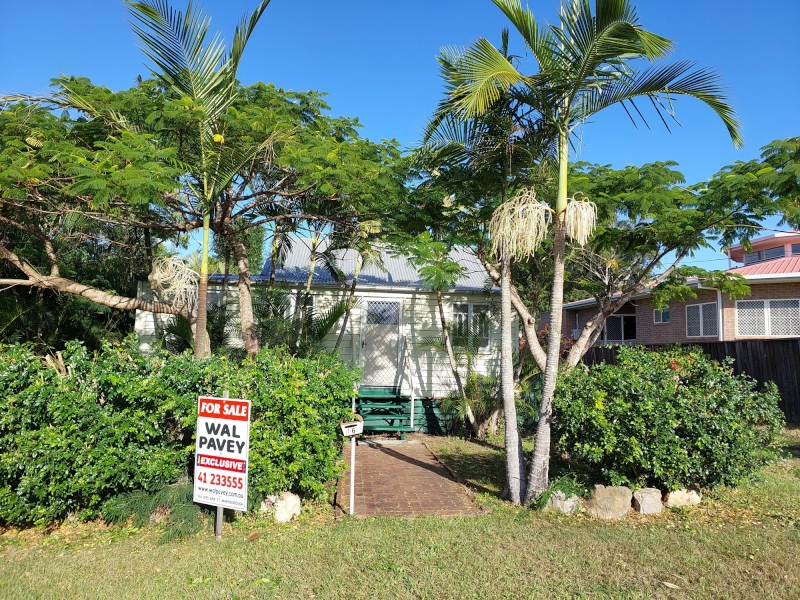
[(221, 452)]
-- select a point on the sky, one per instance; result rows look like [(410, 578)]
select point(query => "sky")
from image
[(377, 61)]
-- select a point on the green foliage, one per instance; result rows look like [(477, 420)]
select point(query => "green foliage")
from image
[(180, 516), (668, 419), (119, 422), (567, 484)]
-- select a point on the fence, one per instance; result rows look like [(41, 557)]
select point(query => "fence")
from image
[(763, 360)]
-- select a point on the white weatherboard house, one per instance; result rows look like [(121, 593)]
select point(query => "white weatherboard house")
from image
[(393, 315)]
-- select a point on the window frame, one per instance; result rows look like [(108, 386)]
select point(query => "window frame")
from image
[(767, 317), (700, 306), (660, 312)]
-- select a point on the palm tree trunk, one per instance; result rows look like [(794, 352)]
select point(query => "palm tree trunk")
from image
[(202, 343), (515, 460), (274, 255), (350, 299), (246, 319), (538, 479)]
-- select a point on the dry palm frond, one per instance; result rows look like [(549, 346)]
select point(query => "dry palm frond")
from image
[(519, 225), (174, 280), (580, 219)]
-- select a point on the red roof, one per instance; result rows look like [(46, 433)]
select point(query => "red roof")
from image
[(780, 266)]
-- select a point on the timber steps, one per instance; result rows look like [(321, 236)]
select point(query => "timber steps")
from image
[(385, 409)]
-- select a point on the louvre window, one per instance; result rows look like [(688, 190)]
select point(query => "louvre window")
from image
[(476, 315), (771, 253), (795, 249), (776, 318), (768, 254), (661, 315), (701, 320)]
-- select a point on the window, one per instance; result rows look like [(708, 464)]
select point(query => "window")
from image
[(778, 318), (620, 328), (771, 253), (471, 318), (701, 320), (768, 254), (795, 249), (661, 315)]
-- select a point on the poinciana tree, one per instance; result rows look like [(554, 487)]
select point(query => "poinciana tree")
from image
[(584, 64)]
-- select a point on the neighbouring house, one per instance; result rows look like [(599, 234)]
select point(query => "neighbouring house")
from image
[(395, 312), (772, 310)]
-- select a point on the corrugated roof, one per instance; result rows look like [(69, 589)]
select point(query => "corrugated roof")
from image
[(789, 265), (397, 272)]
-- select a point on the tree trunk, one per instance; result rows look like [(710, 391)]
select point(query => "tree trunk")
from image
[(249, 337), (202, 343), (538, 479), (515, 460), (350, 299), (276, 238), (304, 308), (223, 303), (454, 367), (67, 286)]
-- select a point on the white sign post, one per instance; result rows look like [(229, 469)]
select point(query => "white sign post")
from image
[(221, 454), (351, 429)]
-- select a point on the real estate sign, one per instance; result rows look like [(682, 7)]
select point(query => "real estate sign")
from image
[(221, 452)]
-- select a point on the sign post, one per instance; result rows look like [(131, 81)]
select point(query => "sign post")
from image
[(352, 429), (221, 454)]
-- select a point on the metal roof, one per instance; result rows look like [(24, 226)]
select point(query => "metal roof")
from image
[(396, 272), (788, 266)]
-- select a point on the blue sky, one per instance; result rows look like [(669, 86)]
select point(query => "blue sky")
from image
[(376, 59)]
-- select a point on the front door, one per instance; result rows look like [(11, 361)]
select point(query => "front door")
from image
[(381, 344)]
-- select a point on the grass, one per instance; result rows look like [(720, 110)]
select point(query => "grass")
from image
[(741, 543)]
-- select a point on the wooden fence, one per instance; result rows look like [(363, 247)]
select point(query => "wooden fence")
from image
[(763, 360)]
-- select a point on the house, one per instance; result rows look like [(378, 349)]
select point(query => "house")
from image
[(395, 312), (772, 310)]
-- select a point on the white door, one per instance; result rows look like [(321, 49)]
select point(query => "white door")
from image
[(380, 345)]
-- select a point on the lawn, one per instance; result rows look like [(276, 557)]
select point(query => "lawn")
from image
[(742, 543)]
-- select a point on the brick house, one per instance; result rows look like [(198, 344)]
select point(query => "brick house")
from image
[(772, 310)]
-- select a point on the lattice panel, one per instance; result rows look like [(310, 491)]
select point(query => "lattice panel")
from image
[(710, 319), (381, 339), (750, 317), (784, 317), (383, 313), (693, 326)]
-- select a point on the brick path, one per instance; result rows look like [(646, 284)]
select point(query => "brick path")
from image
[(401, 480)]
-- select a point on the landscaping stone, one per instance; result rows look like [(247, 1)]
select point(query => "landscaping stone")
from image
[(559, 502), (683, 498), (287, 507), (609, 502), (647, 501)]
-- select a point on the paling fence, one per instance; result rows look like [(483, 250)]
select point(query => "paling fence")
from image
[(763, 360)]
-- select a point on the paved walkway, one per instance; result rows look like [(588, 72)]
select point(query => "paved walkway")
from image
[(401, 479)]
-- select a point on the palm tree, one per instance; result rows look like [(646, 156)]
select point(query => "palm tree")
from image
[(203, 74), (584, 65)]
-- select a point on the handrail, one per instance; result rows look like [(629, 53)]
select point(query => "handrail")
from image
[(408, 368)]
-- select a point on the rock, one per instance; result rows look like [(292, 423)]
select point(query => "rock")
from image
[(609, 502), (647, 501), (558, 501), (287, 507), (683, 498)]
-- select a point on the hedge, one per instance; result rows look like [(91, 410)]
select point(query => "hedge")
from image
[(670, 419), (118, 421)]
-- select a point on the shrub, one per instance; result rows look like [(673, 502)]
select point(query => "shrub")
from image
[(119, 422), (669, 419)]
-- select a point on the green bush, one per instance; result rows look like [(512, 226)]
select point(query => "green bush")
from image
[(118, 421), (668, 419)]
